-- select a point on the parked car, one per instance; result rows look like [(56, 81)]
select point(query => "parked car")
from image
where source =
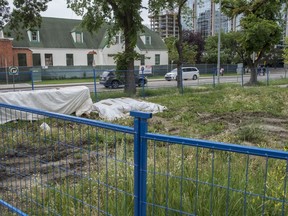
[(187, 73), (110, 80)]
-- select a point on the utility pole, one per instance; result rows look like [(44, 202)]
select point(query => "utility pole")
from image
[(212, 18), (219, 43), (194, 15)]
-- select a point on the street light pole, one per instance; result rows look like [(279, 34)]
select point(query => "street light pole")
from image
[(219, 43)]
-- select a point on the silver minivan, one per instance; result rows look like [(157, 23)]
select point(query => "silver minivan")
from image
[(187, 73)]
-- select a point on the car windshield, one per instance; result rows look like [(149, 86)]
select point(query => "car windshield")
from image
[(174, 71), (107, 73)]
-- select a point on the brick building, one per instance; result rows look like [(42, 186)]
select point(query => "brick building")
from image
[(13, 56)]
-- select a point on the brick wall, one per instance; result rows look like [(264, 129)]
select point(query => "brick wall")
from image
[(6, 52), (9, 55), (28, 53)]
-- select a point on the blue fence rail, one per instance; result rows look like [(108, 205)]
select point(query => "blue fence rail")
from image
[(77, 166)]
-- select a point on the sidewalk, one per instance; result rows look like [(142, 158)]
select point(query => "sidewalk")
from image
[(17, 85)]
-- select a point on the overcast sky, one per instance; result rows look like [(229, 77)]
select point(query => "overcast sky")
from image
[(58, 8)]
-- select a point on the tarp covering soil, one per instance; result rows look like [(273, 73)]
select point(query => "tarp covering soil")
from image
[(66, 100), (111, 109)]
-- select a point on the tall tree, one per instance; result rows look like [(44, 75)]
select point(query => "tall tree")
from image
[(121, 16), (260, 27), (4, 12), (25, 15), (285, 52), (177, 6), (230, 49), (189, 51), (196, 40)]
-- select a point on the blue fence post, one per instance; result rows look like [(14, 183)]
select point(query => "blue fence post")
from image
[(242, 77), (32, 79), (214, 78), (143, 92), (95, 89), (267, 75), (182, 87), (140, 161)]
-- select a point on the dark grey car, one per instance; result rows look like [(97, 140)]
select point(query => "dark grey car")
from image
[(110, 80)]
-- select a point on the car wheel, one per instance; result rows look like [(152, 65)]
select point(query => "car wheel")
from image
[(115, 84), (176, 78), (194, 77)]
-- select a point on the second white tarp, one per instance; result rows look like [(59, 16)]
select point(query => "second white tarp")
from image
[(111, 109)]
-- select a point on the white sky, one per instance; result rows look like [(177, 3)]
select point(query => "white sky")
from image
[(58, 8)]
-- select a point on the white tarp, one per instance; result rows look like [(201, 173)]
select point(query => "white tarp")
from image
[(66, 100), (111, 109)]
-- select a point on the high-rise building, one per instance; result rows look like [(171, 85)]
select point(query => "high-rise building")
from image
[(207, 18), (165, 24)]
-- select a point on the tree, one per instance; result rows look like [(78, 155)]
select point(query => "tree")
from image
[(4, 13), (260, 27), (120, 15), (194, 39), (230, 51), (285, 52), (155, 6), (26, 14), (189, 51)]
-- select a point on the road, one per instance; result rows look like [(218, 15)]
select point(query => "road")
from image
[(152, 83)]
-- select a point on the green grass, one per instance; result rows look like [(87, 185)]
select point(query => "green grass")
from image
[(66, 81), (281, 81), (179, 177)]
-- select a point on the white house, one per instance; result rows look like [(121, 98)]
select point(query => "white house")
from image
[(62, 42)]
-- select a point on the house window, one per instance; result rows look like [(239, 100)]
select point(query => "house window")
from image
[(36, 59), (69, 60), (142, 60), (147, 40), (79, 37), (157, 59), (48, 59), (34, 36), (90, 59), (122, 38), (22, 61), (117, 41)]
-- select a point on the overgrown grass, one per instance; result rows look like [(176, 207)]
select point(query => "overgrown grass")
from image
[(281, 81), (188, 179)]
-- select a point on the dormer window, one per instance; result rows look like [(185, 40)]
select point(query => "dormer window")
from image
[(77, 37), (119, 39), (34, 36), (146, 39)]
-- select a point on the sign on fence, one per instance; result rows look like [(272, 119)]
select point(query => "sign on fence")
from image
[(145, 69), (13, 70)]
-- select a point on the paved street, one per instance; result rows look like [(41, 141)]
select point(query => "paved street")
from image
[(152, 83)]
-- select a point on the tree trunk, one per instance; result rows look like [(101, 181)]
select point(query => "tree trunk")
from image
[(130, 38), (253, 74), (179, 46), (130, 87)]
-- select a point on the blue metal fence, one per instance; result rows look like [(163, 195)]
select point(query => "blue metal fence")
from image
[(77, 166)]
